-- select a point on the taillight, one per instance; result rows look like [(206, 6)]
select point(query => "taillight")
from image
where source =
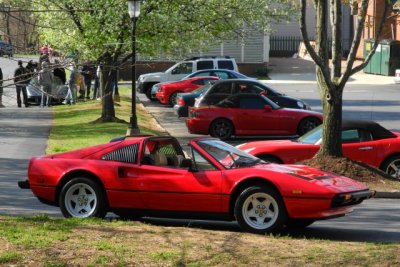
[(181, 102)]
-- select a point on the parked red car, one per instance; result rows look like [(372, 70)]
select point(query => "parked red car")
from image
[(250, 114), (150, 176), (364, 141), (167, 92)]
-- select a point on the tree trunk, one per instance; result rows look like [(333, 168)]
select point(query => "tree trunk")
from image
[(108, 111), (332, 82), (331, 98)]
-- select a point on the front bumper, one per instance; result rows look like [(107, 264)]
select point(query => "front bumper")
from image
[(353, 198), (181, 111), (139, 87), (24, 184)]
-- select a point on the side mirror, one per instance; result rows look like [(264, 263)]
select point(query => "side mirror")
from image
[(267, 108), (187, 163)]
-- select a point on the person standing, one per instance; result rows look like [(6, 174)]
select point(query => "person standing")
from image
[(1, 89), (96, 87), (45, 81), (20, 77), (87, 73), (70, 97)]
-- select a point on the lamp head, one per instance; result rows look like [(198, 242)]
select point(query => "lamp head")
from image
[(134, 8)]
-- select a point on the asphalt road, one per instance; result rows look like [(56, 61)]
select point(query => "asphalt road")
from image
[(24, 133)]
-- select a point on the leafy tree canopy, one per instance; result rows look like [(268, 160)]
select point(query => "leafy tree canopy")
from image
[(166, 26)]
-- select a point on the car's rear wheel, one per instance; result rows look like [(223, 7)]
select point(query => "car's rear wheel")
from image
[(221, 128), (260, 209), (392, 166), (173, 99), (307, 125), (299, 223), (82, 197)]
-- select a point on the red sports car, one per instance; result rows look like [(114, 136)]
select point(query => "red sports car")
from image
[(250, 114), (166, 92), (364, 141), (151, 176)]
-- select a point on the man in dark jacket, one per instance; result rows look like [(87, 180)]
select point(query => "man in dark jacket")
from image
[(87, 73), (20, 77)]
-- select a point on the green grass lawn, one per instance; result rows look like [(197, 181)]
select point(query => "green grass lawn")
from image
[(74, 126)]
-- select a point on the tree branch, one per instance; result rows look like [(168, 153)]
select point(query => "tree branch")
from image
[(303, 28)]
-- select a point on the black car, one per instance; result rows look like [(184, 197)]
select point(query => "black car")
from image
[(223, 88), (186, 100)]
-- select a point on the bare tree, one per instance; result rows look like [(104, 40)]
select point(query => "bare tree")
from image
[(331, 78)]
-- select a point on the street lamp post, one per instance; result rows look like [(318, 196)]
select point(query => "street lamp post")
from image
[(134, 12)]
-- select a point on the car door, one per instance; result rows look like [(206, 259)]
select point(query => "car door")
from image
[(180, 71), (164, 186), (357, 144), (254, 116)]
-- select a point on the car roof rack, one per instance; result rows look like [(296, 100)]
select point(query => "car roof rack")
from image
[(200, 57)]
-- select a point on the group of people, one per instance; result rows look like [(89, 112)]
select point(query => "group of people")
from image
[(23, 76), (79, 82)]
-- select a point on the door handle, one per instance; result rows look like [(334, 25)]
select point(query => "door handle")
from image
[(366, 148)]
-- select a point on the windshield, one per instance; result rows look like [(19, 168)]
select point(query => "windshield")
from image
[(230, 157), (312, 137)]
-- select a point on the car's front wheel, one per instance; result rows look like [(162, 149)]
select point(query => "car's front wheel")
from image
[(260, 209), (173, 98), (392, 166), (82, 197)]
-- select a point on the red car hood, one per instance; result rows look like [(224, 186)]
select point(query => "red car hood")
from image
[(250, 146), (316, 176)]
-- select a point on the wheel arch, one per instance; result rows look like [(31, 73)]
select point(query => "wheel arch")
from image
[(148, 85), (255, 181), (78, 173), (383, 162), (306, 118)]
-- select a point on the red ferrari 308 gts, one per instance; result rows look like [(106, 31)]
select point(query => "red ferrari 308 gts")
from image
[(151, 176), (250, 114), (167, 92), (364, 141)]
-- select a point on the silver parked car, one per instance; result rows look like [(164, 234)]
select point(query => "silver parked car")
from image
[(58, 91)]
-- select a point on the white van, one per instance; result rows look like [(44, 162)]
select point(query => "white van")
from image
[(183, 68)]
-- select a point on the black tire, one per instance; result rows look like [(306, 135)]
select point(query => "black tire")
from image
[(147, 91), (299, 223), (221, 128), (260, 201), (307, 124), (391, 166), (270, 159), (172, 98), (82, 197)]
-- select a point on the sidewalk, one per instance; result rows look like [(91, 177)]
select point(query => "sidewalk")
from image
[(297, 70)]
